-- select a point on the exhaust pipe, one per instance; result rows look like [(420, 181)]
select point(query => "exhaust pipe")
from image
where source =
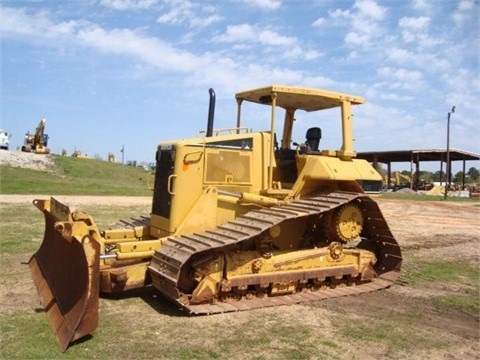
[(211, 113)]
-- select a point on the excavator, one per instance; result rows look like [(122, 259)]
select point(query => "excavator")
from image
[(38, 141), (398, 181), (239, 221)]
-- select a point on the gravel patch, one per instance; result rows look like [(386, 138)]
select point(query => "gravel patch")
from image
[(27, 160)]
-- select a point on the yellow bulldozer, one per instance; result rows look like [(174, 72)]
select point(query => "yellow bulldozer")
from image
[(38, 141), (238, 221)]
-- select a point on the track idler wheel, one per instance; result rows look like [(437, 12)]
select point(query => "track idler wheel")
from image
[(347, 222)]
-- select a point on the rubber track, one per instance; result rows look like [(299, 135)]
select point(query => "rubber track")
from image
[(167, 262)]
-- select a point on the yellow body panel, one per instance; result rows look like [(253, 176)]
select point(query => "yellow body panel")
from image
[(241, 264), (280, 271)]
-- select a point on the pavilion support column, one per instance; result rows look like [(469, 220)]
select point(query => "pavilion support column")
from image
[(441, 170), (389, 174), (411, 171), (448, 170), (417, 172)]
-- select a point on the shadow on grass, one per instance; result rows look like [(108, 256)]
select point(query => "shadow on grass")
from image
[(152, 297)]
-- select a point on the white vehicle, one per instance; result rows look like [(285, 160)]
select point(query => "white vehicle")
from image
[(4, 140)]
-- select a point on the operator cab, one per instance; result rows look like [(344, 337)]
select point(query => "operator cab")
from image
[(287, 161)]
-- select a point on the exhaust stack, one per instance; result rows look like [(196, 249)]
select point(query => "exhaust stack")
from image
[(211, 113)]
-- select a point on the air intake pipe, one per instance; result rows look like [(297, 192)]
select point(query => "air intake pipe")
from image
[(211, 113)]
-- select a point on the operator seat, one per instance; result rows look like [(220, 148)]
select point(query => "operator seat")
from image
[(313, 137)]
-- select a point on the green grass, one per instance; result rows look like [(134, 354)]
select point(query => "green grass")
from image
[(76, 176), (35, 333), (458, 291), (460, 275), (466, 302), (396, 334), (20, 237), (388, 331), (164, 337), (423, 197), (443, 271)]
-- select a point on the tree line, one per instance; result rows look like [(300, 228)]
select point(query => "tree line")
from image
[(471, 177)]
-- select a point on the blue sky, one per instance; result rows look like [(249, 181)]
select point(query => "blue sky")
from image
[(108, 73)]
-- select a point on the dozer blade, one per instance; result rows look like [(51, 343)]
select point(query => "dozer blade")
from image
[(66, 272)]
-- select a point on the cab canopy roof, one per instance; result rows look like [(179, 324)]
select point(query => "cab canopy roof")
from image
[(292, 97)]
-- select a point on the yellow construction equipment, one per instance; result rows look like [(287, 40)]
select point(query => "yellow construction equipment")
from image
[(78, 154), (398, 181), (238, 221), (38, 141)]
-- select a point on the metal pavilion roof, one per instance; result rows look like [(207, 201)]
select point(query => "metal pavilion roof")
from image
[(417, 155)]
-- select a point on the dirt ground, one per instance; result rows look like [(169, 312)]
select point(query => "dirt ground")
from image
[(424, 230)]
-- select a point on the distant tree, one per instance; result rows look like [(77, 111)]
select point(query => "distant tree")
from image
[(438, 176), (425, 176), (380, 169), (473, 173), (458, 177)]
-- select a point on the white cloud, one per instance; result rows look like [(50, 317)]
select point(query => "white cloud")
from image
[(363, 20), (265, 4), (204, 21), (421, 5), (269, 37), (277, 46), (400, 74), (249, 33), (395, 97), (293, 53), (370, 9), (339, 14), (81, 33), (355, 38), (127, 42), (319, 22), (312, 54), (19, 22), (195, 14), (461, 79), (180, 11), (237, 33), (466, 5), (466, 9), (199, 68), (415, 29), (431, 62), (353, 55), (414, 23), (128, 4)]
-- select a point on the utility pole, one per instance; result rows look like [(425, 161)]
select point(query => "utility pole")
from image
[(447, 167), (123, 152)]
